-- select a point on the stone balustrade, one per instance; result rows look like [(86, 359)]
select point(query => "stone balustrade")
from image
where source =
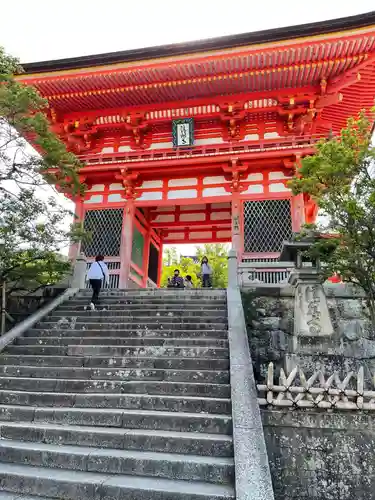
[(264, 274)]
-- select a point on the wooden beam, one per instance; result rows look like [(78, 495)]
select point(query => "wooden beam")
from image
[(218, 100), (184, 224), (350, 76), (208, 160)]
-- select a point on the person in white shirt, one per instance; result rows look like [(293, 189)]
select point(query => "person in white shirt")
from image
[(97, 273), (206, 273)]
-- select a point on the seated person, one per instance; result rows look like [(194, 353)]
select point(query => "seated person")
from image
[(176, 281), (188, 282)]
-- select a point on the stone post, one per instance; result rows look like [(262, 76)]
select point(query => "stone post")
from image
[(79, 272), (232, 269), (75, 248), (311, 314)]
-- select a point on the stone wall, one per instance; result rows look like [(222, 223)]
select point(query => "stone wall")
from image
[(269, 321), (21, 306), (321, 455), (315, 453), (270, 314)]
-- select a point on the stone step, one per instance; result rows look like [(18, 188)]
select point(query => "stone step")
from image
[(137, 351), (114, 387), (165, 333), (190, 443), (162, 294), (17, 496), (124, 313), (149, 301), (130, 325), (162, 307), (127, 419), (130, 401), (207, 376), (115, 341), (188, 404), (158, 292), (76, 485), (93, 318), (138, 463), (112, 362)]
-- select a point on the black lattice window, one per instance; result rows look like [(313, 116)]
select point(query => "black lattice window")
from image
[(267, 223), (105, 228)]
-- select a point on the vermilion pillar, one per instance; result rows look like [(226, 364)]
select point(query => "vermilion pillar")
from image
[(75, 248), (298, 212), (126, 243), (236, 222), (311, 210), (237, 172)]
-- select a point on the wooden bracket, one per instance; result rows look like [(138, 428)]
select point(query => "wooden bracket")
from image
[(232, 116), (131, 181), (235, 172), (138, 127)]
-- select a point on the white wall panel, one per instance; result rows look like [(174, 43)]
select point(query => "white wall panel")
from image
[(95, 198), (278, 187), (182, 193), (151, 195), (182, 182), (216, 191)]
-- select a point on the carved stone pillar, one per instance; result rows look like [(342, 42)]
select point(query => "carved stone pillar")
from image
[(79, 272), (311, 314), (75, 248)]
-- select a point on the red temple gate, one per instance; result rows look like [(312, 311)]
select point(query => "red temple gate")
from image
[(196, 142)]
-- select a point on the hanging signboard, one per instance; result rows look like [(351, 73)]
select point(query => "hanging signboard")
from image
[(183, 132)]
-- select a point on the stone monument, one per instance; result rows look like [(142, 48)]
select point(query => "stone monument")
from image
[(311, 314)]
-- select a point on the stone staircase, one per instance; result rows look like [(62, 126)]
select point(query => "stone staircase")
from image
[(131, 401)]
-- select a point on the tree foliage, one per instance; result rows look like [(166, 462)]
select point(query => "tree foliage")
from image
[(217, 255), (33, 225), (340, 178)]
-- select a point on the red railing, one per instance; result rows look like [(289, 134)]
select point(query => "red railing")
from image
[(199, 151)]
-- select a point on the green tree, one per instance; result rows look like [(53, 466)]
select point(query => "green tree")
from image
[(217, 255), (170, 256), (340, 178), (33, 225)]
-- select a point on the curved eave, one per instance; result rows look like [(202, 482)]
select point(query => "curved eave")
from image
[(213, 44), (271, 69)]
